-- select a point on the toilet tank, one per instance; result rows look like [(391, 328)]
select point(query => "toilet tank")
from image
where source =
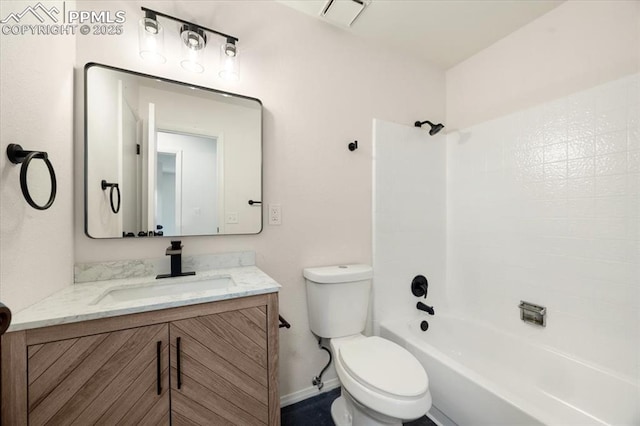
[(338, 299)]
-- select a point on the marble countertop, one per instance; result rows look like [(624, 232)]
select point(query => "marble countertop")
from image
[(82, 302)]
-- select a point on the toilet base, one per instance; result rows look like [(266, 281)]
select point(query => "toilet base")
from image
[(339, 413), (346, 411)]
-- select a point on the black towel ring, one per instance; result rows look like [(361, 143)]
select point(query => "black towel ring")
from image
[(18, 155), (5, 318), (104, 185)]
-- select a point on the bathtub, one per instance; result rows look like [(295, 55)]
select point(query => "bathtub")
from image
[(481, 376)]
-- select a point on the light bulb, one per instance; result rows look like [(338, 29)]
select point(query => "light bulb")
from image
[(151, 40), (229, 62)]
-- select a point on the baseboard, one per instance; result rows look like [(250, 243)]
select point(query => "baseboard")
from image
[(439, 418), (309, 392)]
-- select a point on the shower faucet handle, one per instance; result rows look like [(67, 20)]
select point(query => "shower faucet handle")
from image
[(419, 286)]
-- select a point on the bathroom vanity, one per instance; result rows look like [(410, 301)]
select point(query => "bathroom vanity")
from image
[(198, 350)]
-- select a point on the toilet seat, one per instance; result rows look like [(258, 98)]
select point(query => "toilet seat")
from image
[(382, 376), (401, 376)]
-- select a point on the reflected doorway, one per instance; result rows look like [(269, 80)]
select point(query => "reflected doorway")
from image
[(189, 185)]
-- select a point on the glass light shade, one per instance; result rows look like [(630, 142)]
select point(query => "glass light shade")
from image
[(192, 60), (229, 65), (151, 40), (193, 44)]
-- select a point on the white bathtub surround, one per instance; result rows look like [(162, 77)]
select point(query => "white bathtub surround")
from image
[(543, 206), (483, 376), (100, 271), (82, 302), (409, 217)]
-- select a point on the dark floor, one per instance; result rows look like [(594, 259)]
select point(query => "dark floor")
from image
[(316, 411)]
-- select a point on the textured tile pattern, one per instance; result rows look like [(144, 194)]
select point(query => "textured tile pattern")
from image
[(543, 205)]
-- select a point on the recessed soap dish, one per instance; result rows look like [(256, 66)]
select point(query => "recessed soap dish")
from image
[(533, 314)]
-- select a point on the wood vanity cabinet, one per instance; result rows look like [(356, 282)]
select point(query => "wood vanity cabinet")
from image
[(105, 378), (207, 364)]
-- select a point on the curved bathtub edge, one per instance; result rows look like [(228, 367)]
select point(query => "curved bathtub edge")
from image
[(514, 409)]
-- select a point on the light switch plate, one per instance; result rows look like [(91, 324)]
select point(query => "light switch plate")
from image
[(275, 214), (232, 217)]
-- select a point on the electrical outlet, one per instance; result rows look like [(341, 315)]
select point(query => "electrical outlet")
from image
[(275, 214), (232, 217)]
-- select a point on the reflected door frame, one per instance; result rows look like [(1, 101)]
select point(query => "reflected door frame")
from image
[(177, 153), (218, 137)]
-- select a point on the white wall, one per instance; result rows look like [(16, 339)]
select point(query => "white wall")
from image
[(106, 101), (409, 218), (579, 44), (36, 86), (543, 202), (320, 88)]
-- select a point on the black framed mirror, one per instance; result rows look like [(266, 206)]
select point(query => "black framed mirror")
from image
[(176, 159)]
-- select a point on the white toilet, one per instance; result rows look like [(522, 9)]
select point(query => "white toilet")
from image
[(382, 383)]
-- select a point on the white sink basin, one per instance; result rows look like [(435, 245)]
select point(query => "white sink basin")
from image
[(161, 288)]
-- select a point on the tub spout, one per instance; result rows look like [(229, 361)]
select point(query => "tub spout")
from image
[(428, 309)]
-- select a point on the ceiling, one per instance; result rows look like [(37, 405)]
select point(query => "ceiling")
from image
[(444, 32)]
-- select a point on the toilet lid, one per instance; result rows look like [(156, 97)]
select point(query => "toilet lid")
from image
[(384, 365)]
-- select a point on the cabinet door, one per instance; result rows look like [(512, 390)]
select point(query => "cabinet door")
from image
[(219, 369), (111, 378)]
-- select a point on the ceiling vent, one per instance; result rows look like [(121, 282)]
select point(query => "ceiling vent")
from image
[(343, 12)]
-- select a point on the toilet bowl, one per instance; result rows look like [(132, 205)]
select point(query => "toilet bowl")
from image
[(382, 383)]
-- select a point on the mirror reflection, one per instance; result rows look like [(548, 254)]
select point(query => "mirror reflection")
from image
[(166, 158)]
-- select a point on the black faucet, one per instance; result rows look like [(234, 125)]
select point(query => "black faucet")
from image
[(175, 251), (428, 309)]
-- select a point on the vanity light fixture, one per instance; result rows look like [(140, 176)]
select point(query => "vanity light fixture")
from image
[(194, 41), (229, 64), (151, 38), (230, 47)]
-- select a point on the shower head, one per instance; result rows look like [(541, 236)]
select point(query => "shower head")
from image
[(435, 128)]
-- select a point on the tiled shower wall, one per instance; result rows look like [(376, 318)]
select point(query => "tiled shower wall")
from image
[(543, 206)]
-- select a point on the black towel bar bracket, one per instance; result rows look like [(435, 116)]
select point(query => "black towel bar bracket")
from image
[(283, 322), (18, 155), (104, 185)]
